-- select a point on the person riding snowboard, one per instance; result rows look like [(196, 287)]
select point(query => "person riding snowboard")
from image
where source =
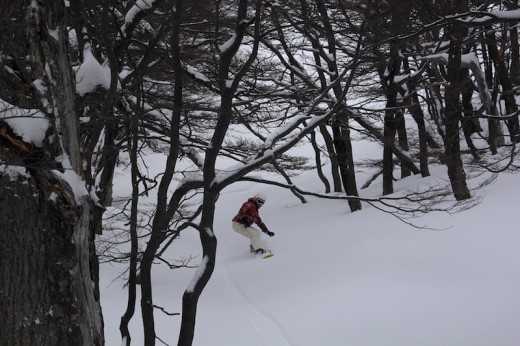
[(247, 215)]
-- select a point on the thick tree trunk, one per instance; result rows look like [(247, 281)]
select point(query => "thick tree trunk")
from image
[(47, 274)]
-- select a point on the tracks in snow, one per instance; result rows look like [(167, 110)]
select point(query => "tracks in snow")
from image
[(266, 328)]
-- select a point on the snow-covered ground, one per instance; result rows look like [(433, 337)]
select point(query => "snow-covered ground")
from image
[(341, 278)]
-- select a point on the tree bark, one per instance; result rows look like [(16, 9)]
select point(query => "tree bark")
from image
[(514, 70), (162, 216), (212, 188), (456, 172), (134, 247), (402, 137), (508, 95), (390, 119), (413, 104), (495, 137), (317, 155), (343, 148), (470, 124), (334, 167), (46, 283), (49, 270)]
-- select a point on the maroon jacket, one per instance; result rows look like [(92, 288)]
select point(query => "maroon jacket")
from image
[(248, 214)]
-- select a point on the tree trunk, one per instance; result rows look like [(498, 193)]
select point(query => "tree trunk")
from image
[(334, 167), (317, 155), (402, 156), (495, 137), (470, 124), (390, 119), (456, 172), (204, 271), (413, 104), (46, 283), (134, 247), (343, 148), (212, 188), (514, 70), (402, 137), (507, 86), (49, 270), (434, 100), (162, 215)]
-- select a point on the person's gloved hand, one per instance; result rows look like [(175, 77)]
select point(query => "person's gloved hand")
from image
[(245, 221), (266, 231)]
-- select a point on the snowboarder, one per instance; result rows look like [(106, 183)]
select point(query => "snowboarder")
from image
[(247, 215)]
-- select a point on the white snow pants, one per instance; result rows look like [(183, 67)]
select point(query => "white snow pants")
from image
[(250, 232)]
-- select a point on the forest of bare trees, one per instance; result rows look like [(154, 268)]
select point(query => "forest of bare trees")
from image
[(103, 83)]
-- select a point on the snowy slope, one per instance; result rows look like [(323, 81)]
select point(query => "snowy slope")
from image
[(341, 278)]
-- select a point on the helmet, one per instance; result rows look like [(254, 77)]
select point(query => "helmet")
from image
[(261, 196)]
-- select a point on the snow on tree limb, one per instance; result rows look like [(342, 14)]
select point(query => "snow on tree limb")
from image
[(470, 19), (135, 13), (282, 140), (29, 124), (198, 274), (91, 74), (470, 61)]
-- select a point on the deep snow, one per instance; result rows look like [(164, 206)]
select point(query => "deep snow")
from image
[(341, 278)]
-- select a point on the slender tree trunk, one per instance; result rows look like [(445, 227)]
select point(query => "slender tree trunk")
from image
[(343, 148), (204, 271), (132, 270), (212, 188), (341, 132), (456, 172), (434, 101), (468, 121), (507, 86), (402, 138), (162, 215), (350, 184), (289, 181), (334, 167), (319, 169), (390, 119), (402, 156), (514, 70), (413, 104), (495, 137)]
